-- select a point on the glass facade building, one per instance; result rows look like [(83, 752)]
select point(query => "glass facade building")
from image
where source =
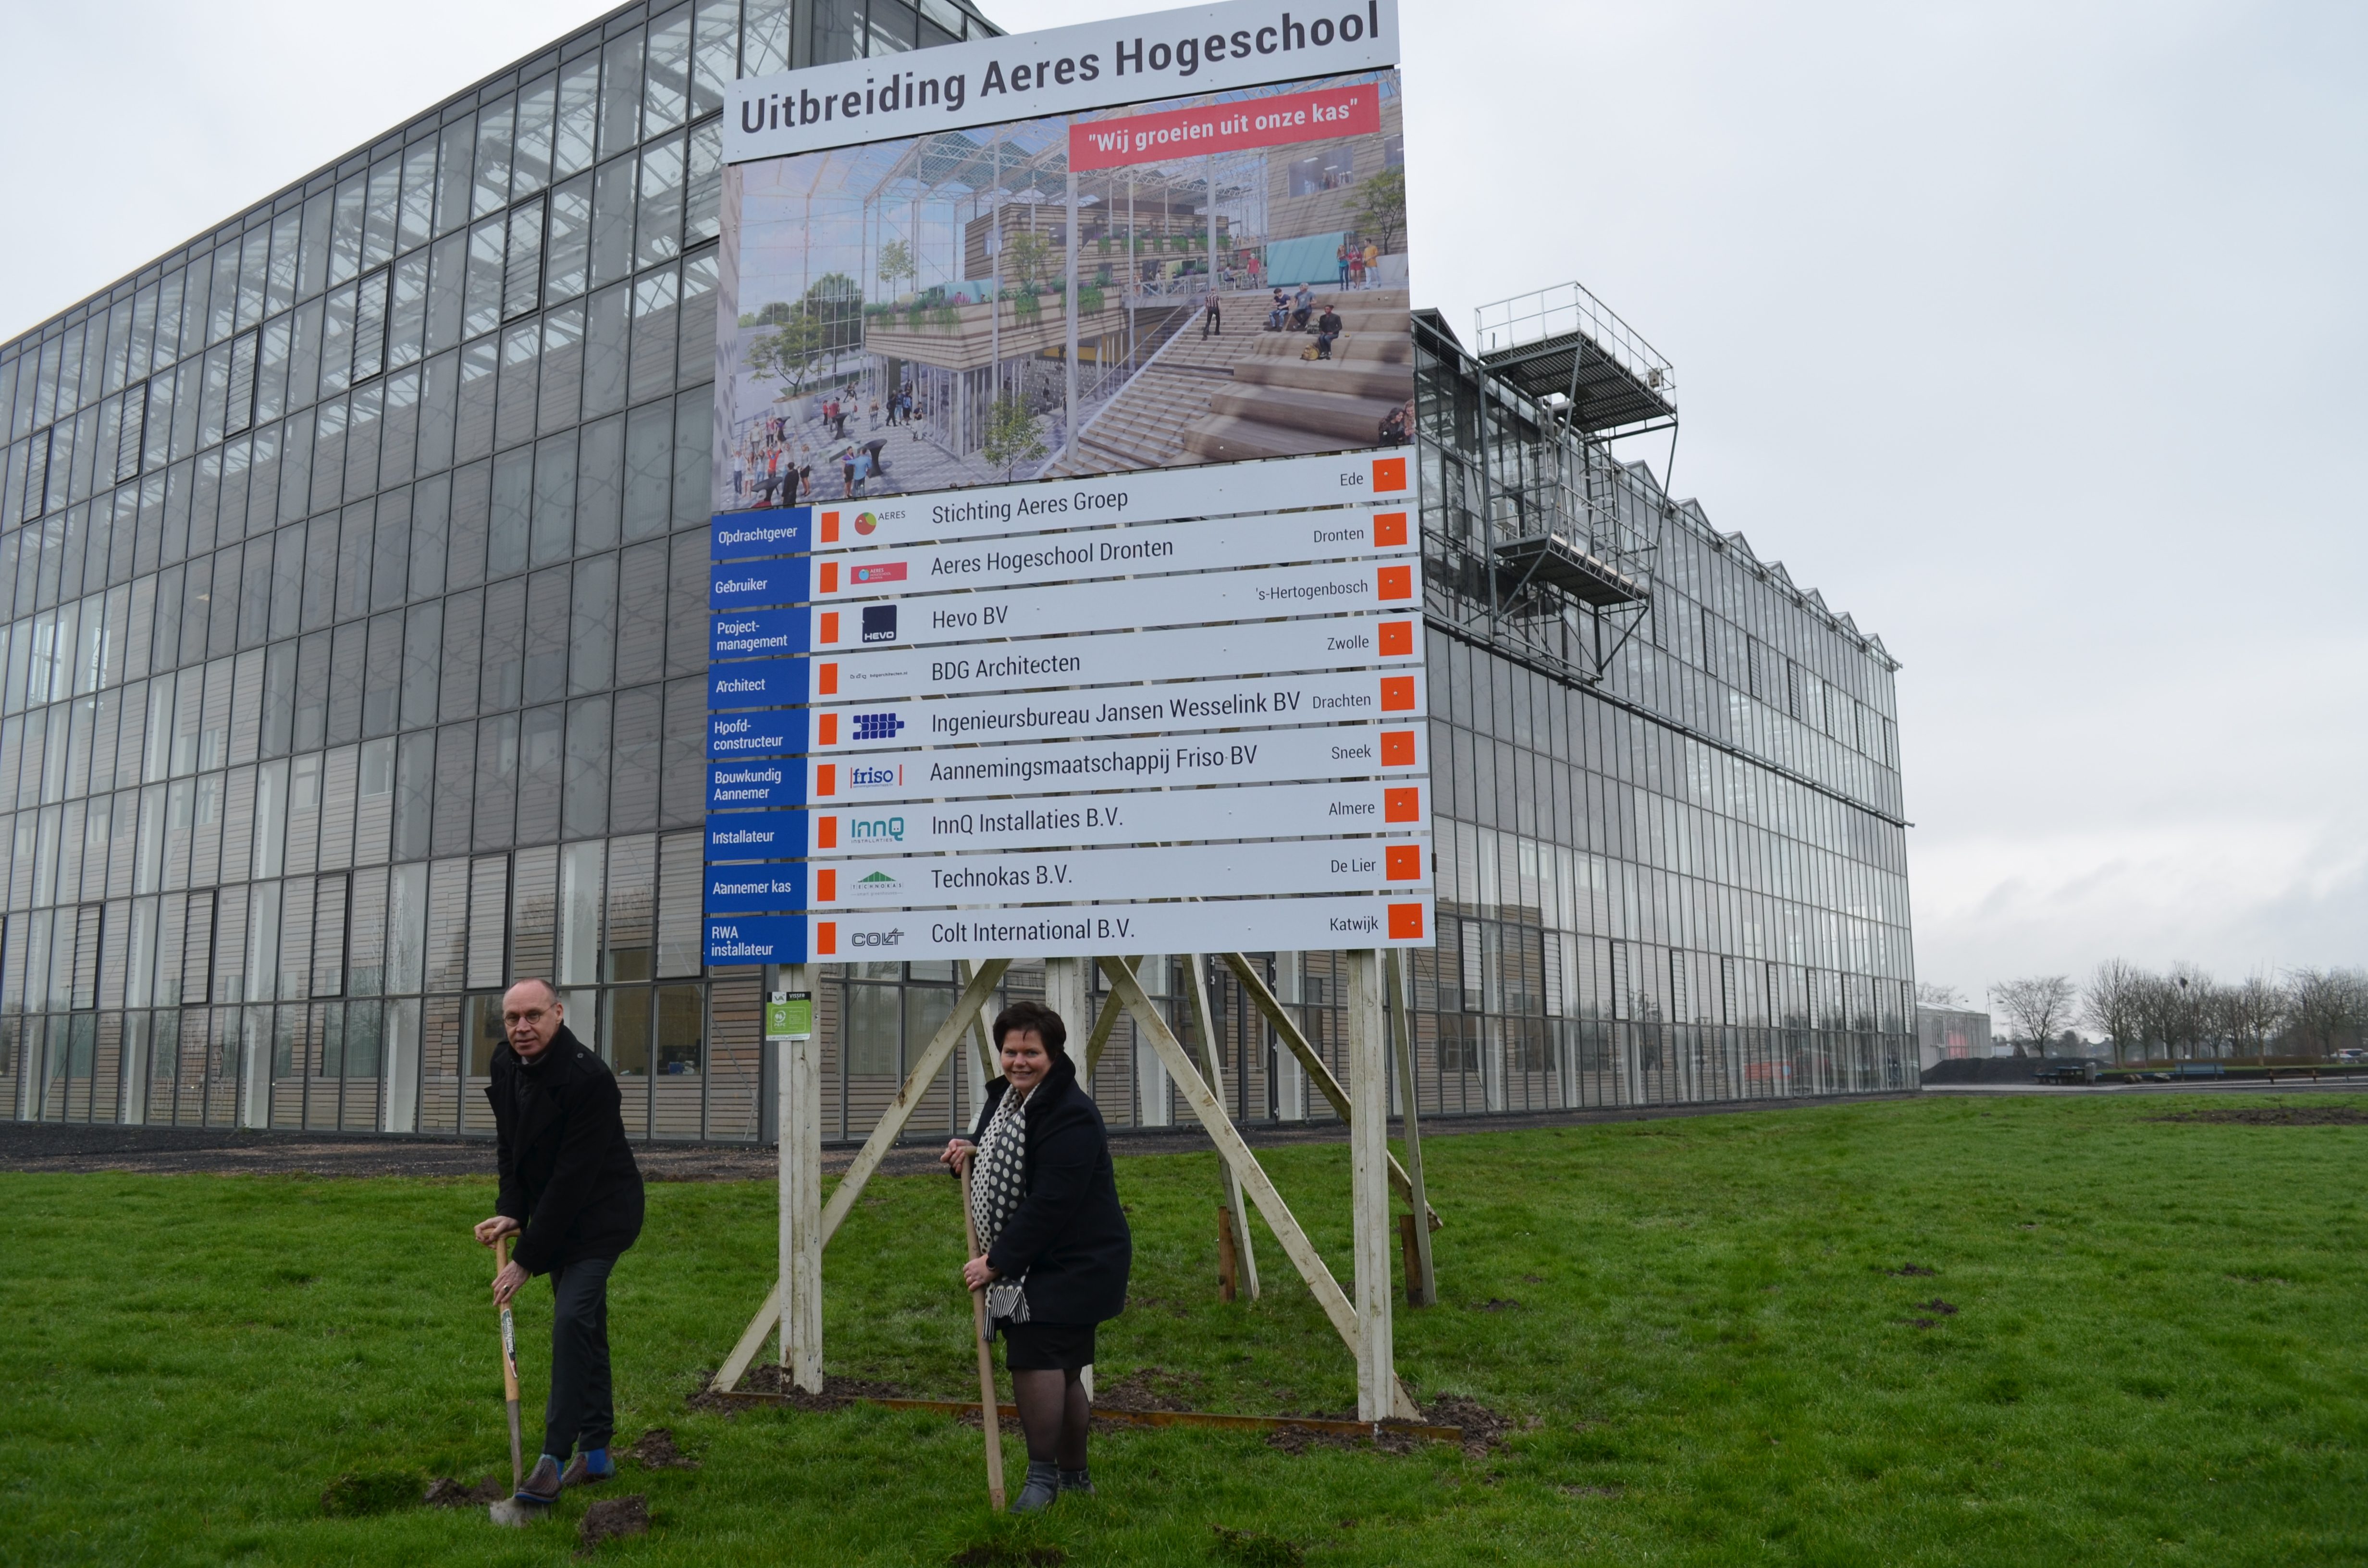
[(353, 573)]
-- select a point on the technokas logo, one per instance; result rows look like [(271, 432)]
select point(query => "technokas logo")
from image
[(879, 884)]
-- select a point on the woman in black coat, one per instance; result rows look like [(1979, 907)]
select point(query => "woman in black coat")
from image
[(1045, 1202)]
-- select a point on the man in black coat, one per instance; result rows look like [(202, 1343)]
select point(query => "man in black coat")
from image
[(572, 1195)]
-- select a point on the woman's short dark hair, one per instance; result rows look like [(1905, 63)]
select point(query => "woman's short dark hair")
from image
[(1036, 1017)]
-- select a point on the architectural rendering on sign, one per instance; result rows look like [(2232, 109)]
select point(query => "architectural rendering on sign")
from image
[(482, 559)]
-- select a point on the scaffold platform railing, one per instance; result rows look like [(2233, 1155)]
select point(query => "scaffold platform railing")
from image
[(1567, 349)]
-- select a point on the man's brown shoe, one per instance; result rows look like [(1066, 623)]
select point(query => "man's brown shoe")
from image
[(542, 1483), (579, 1472)]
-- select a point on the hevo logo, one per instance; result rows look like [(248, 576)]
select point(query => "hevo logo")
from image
[(879, 623)]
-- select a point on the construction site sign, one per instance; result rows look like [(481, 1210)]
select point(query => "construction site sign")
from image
[(1066, 589)]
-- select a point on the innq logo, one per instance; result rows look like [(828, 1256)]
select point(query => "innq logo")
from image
[(880, 827), (879, 623), (876, 726), (863, 778)]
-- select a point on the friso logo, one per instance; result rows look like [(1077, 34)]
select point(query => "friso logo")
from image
[(879, 623), (876, 726), (876, 939), (865, 522), (861, 778), (879, 884)]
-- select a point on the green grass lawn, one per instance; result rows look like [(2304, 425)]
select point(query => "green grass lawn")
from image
[(2154, 1354)]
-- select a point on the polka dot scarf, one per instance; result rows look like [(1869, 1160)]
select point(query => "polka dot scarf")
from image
[(998, 1181)]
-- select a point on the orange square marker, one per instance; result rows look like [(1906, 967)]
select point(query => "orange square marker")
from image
[(830, 527), (1389, 474), (826, 779), (1406, 922), (826, 680), (1395, 582), (826, 731), (1389, 528), (830, 632), (1402, 804), (1403, 863), (1397, 694), (826, 885), (827, 936), (1397, 748), (1397, 639), (827, 832), (829, 584)]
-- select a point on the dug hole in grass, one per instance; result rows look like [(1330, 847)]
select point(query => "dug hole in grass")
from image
[(1704, 1335)]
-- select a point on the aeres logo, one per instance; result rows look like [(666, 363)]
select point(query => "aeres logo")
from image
[(865, 522), (879, 623), (893, 572)]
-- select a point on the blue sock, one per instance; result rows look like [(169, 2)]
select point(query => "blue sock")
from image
[(597, 1462)]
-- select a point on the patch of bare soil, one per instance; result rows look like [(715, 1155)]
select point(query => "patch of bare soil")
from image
[(766, 1376), (1148, 1388), (609, 1518), (656, 1451), (448, 1493), (2274, 1115)]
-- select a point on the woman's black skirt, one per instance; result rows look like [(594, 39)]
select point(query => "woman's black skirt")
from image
[(1046, 1347)]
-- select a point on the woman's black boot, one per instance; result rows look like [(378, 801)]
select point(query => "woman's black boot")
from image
[(1043, 1485), (1077, 1479)]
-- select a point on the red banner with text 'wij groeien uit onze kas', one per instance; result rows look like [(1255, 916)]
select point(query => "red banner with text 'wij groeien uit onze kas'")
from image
[(1224, 128)]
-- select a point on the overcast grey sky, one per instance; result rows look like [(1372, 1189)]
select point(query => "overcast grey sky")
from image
[(2030, 333)]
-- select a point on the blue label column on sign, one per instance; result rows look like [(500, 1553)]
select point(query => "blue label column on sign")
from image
[(776, 731), (758, 585), (761, 939), (760, 633), (744, 786), (756, 836), (759, 682), (756, 890), (749, 536)]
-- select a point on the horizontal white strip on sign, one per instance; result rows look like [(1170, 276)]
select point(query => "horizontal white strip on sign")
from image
[(1174, 709), (1150, 496), (1262, 538), (1227, 925), (1161, 54), (1251, 594), (1137, 816), (1108, 658), (1267, 757), (1078, 876)]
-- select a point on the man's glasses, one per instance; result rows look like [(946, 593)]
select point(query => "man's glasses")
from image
[(512, 1020)]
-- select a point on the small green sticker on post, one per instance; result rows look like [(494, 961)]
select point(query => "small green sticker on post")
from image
[(790, 1017)]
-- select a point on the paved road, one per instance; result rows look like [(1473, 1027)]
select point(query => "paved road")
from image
[(175, 1151)]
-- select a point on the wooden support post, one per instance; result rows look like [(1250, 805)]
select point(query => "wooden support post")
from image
[(1112, 1010), (1407, 1230), (1068, 992), (1228, 1261), (1369, 1132), (1286, 1028), (1401, 971), (867, 1160), (1204, 1026), (800, 1287), (982, 1029), (1236, 1154)]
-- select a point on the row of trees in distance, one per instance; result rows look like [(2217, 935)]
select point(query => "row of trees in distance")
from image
[(2183, 1012)]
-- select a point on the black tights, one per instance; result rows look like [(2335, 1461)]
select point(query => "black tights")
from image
[(1053, 1413)]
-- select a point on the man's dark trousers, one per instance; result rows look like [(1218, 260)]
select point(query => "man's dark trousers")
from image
[(581, 1410)]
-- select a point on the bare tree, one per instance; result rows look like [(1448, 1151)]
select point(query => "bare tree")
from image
[(1930, 994), (2195, 1003), (2035, 1006), (2250, 1013), (2325, 1004), (2110, 1005)]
